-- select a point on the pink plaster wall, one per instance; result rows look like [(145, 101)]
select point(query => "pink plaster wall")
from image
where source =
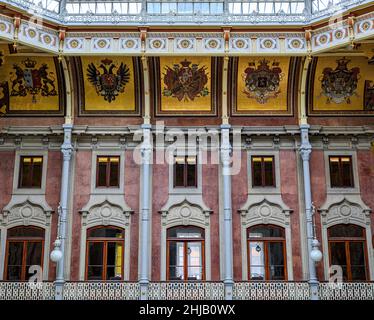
[(6, 176)]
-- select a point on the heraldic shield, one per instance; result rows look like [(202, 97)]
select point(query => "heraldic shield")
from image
[(185, 81), (340, 84), (107, 83)]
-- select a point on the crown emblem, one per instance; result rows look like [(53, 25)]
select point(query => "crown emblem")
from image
[(29, 63), (107, 61)]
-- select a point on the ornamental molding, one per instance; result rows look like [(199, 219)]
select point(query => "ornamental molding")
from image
[(106, 210), (269, 209), (26, 210), (345, 209), (63, 42), (185, 210)]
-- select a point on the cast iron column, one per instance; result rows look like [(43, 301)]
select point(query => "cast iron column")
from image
[(146, 152), (67, 150), (226, 152), (305, 151)]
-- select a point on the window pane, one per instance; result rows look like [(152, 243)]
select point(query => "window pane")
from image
[(268, 164), (256, 172), (257, 260), (105, 233), (195, 260), (338, 256), (334, 172), (185, 232), (15, 253), (95, 260), (276, 261), (357, 257), (37, 174), (266, 232), (346, 172), (349, 230), (191, 175), (101, 181), (114, 261), (114, 172), (25, 174), (179, 174), (24, 232), (33, 256), (176, 260)]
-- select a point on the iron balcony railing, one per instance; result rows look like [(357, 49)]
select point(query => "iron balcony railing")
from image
[(208, 290)]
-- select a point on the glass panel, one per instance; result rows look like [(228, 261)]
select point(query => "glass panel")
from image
[(191, 175), (176, 260), (101, 181), (357, 256), (266, 232), (185, 232), (195, 261), (334, 172), (26, 169), (179, 171), (15, 253), (114, 261), (349, 230), (268, 163), (33, 256), (346, 172), (256, 172), (37, 174), (106, 233), (338, 256), (276, 261), (95, 261), (257, 260), (114, 172), (25, 232)]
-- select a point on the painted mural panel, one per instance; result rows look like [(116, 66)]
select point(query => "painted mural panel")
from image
[(185, 85), (341, 85), (109, 85), (31, 85), (261, 85)]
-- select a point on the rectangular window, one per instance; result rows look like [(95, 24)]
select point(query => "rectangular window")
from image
[(107, 172), (185, 171), (341, 175), (263, 171), (31, 169)]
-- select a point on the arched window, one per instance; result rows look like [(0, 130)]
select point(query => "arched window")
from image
[(105, 256), (266, 253), (347, 248), (25, 246), (185, 253)]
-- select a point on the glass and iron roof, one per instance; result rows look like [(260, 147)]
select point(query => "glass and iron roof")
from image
[(149, 12)]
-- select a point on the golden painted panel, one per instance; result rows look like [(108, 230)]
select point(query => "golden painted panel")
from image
[(185, 85), (109, 85), (260, 85), (342, 85), (31, 85)]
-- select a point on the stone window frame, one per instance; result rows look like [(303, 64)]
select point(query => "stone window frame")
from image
[(17, 171), (356, 180), (111, 190), (263, 190), (199, 171)]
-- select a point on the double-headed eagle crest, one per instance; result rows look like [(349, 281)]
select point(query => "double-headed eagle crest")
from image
[(185, 81), (107, 83), (339, 85), (4, 96), (31, 80), (262, 83), (369, 95)]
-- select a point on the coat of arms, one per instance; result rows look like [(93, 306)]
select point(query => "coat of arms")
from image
[(32, 80), (339, 85), (369, 95), (108, 83), (262, 83), (185, 81), (3, 97)]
